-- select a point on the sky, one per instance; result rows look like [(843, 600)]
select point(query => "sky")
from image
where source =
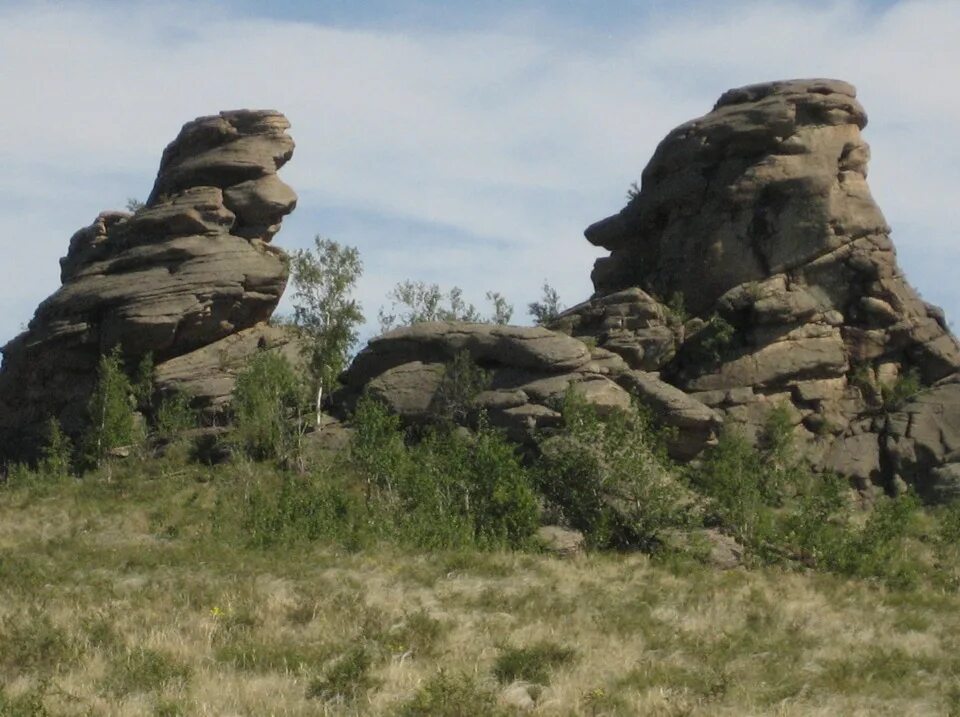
[(460, 143)]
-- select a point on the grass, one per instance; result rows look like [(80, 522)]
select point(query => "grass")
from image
[(140, 594)]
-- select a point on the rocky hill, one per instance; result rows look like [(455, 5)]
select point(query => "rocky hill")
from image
[(190, 278), (751, 271)]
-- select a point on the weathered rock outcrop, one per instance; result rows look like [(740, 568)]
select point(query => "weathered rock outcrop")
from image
[(190, 277), (758, 221), (529, 371)]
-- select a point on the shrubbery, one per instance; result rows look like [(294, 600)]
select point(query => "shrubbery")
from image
[(112, 422), (270, 409), (771, 500), (610, 476)]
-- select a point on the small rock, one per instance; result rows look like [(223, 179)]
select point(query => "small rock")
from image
[(563, 542)]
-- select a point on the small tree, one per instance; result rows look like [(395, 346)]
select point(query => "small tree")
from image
[(112, 422), (57, 452), (548, 308), (268, 404), (412, 302), (324, 310), (502, 311)]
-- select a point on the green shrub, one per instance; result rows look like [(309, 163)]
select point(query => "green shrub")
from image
[(610, 477), (894, 395), (548, 308), (446, 695), (346, 679), (447, 490), (468, 489), (31, 642), (269, 409), (677, 308), (377, 446), (174, 415), (462, 382), (26, 704), (56, 456), (745, 483), (531, 664), (112, 423), (293, 508), (143, 670), (143, 383)]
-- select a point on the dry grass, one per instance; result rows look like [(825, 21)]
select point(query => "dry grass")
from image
[(118, 599)]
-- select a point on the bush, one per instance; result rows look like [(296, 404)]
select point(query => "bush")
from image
[(771, 501), (174, 415), (269, 407), (548, 308), (112, 423), (531, 664), (143, 670), (462, 382), (610, 477), (446, 695), (894, 395), (449, 489), (412, 302), (475, 485), (56, 456), (346, 679), (292, 509)]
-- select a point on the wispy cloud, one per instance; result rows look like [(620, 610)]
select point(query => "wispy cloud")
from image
[(464, 157)]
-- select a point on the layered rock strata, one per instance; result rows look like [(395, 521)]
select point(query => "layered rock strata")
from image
[(529, 370), (753, 269), (190, 277)]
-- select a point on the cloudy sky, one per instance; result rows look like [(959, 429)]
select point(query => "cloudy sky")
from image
[(464, 143)]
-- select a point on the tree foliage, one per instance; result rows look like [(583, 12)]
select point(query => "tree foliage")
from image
[(112, 423), (268, 407), (324, 279), (548, 308), (412, 302)]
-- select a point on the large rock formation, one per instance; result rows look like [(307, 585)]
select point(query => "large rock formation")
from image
[(751, 271), (758, 221), (191, 278), (529, 370)]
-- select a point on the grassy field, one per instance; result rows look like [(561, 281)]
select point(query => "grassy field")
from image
[(136, 592)]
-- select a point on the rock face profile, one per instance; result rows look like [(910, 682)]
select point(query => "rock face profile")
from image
[(752, 271), (190, 277)]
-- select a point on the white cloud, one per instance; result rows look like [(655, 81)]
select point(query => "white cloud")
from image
[(514, 139)]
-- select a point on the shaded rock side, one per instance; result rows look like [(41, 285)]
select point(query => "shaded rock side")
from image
[(530, 369), (753, 270), (191, 268)]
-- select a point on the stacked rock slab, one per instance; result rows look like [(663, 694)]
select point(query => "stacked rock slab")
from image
[(756, 221), (529, 370), (190, 278)]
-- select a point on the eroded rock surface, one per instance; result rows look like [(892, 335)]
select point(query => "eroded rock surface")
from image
[(189, 274), (754, 270), (530, 369)]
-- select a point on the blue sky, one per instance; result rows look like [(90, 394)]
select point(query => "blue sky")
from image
[(460, 143)]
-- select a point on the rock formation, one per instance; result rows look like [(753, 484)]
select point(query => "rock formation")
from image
[(752, 270), (529, 370), (758, 221), (191, 278)]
